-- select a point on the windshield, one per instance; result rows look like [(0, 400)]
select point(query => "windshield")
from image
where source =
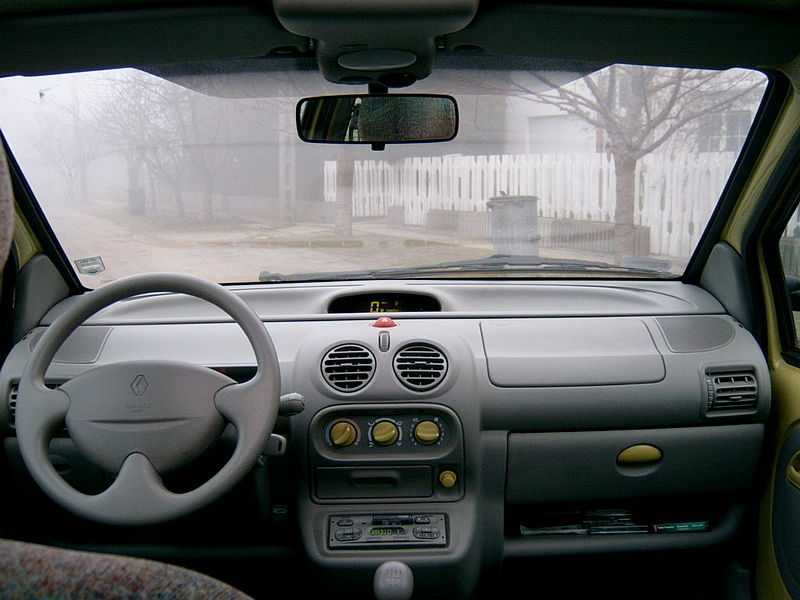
[(552, 173)]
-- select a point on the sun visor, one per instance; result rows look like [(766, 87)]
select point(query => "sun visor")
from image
[(297, 76)]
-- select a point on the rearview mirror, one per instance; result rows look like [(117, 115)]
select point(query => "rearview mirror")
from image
[(377, 119)]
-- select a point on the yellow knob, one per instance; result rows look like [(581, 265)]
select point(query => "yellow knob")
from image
[(385, 433), (447, 478), (427, 433), (343, 434)]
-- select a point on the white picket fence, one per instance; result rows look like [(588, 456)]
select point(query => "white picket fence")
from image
[(675, 196)]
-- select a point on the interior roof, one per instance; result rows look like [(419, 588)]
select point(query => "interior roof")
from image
[(48, 36), (50, 6)]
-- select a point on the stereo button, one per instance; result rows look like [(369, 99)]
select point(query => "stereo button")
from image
[(426, 533), (422, 520), (348, 534)]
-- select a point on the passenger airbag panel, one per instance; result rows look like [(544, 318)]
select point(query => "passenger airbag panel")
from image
[(570, 352)]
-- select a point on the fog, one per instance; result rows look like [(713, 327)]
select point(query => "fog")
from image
[(203, 172)]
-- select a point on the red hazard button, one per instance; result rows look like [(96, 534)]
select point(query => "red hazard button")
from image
[(384, 322)]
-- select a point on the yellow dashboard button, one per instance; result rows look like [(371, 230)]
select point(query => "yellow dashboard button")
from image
[(447, 478)]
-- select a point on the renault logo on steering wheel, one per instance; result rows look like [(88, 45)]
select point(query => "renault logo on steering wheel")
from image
[(139, 385)]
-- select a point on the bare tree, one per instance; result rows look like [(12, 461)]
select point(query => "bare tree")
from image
[(205, 130), (178, 136), (54, 144), (638, 109), (164, 128), (137, 117), (63, 141)]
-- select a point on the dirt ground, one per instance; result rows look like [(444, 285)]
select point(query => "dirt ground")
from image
[(234, 250)]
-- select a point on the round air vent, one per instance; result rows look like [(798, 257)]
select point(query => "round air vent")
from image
[(348, 367), (420, 367)]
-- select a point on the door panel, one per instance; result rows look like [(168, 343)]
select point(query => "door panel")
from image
[(786, 514)]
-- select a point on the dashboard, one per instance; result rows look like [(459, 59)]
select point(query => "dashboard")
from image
[(451, 425)]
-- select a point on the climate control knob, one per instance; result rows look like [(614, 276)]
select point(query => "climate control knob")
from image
[(343, 434), (385, 433), (427, 433)]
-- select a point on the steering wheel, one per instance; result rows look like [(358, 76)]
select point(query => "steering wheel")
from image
[(139, 419)]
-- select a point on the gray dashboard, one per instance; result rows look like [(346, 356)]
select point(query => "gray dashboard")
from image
[(534, 383), (310, 301)]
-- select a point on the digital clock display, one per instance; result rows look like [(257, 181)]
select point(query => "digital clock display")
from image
[(385, 306), (384, 302), (383, 531)]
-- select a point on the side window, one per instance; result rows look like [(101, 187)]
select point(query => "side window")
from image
[(789, 246)]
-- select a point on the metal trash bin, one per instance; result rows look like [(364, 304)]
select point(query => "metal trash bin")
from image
[(515, 225)]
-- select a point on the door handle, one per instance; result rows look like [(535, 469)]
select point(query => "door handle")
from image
[(640, 454), (793, 470)]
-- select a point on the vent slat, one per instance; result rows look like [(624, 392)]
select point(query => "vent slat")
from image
[(420, 367), (729, 392), (733, 404), (12, 405), (348, 368)]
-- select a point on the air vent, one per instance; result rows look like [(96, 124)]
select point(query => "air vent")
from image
[(12, 404), (420, 367), (731, 391), (348, 367)]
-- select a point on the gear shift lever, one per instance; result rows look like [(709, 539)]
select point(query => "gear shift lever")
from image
[(393, 581)]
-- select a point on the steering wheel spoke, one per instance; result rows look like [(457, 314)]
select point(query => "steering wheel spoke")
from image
[(232, 402), (40, 411), (137, 492), (44, 407), (137, 496), (237, 402)]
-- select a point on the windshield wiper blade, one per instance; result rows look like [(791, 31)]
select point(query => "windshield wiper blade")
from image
[(504, 263), (499, 264)]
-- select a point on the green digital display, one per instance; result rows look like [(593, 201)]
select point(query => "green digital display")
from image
[(382, 531), (385, 306), (384, 303)]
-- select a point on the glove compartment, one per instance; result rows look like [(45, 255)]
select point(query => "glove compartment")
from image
[(558, 467)]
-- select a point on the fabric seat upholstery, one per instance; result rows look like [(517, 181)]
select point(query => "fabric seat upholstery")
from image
[(35, 571)]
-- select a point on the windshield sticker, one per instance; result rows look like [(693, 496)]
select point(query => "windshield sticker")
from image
[(90, 266)]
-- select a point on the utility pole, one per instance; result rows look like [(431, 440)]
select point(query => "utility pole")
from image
[(83, 186), (286, 163)]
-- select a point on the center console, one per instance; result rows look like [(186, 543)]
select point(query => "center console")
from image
[(379, 453)]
